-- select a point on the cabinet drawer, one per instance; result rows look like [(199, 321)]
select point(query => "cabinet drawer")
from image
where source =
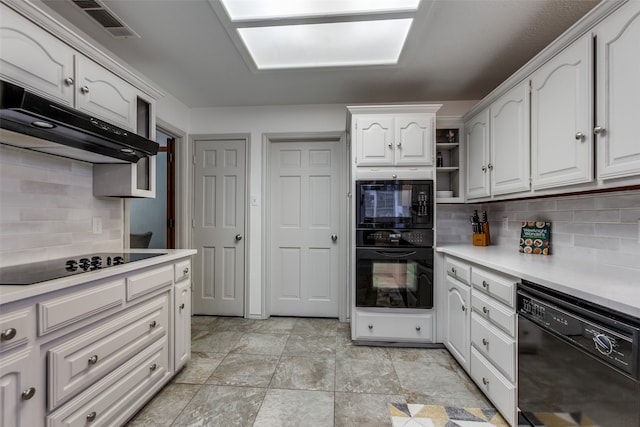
[(458, 270), (149, 281), (182, 271), (375, 327), (75, 364), (16, 328), (498, 314), (498, 286), (113, 399), (495, 345), (494, 385), (59, 312)]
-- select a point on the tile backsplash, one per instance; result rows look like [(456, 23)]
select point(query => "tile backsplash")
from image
[(47, 209), (602, 227)]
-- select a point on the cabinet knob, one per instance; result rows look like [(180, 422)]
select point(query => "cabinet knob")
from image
[(153, 367), (485, 381), (152, 324), (485, 284), (598, 130), (91, 417), (181, 306), (485, 342), (238, 237), (334, 237), (394, 176), (68, 81), (28, 393), (453, 270), (580, 136), (84, 89), (490, 166), (8, 334), (93, 359), (464, 308), (485, 310), (370, 326), (390, 145), (399, 144), (185, 271), (484, 168), (418, 328)]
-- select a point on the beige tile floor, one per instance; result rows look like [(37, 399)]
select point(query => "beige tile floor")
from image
[(300, 372)]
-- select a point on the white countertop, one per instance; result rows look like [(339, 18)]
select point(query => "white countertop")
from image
[(11, 293), (613, 287)]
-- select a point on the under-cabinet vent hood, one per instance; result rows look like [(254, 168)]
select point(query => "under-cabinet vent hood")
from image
[(30, 121)]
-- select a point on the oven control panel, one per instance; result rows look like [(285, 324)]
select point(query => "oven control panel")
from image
[(393, 238)]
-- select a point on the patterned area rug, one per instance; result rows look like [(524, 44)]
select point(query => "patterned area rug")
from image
[(414, 415)]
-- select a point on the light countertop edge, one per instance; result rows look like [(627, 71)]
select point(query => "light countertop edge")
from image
[(12, 293), (614, 287)]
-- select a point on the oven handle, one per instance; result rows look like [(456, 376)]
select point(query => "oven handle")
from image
[(396, 254)]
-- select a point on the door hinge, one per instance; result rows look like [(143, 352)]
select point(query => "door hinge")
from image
[(170, 158), (171, 223)]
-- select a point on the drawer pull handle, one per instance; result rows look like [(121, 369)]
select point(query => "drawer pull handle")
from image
[(181, 306), (91, 417), (485, 342), (485, 310), (485, 381), (153, 324), (93, 359), (485, 284), (8, 334), (28, 393), (153, 367), (418, 328), (370, 326)]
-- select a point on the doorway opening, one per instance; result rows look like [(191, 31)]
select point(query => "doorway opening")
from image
[(152, 221)]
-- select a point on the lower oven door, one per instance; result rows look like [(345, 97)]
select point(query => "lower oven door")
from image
[(394, 277), (558, 382)]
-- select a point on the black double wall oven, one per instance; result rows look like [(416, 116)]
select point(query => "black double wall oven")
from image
[(394, 243)]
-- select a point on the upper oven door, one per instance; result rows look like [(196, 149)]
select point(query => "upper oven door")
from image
[(394, 204)]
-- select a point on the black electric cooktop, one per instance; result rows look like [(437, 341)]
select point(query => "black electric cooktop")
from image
[(36, 272)]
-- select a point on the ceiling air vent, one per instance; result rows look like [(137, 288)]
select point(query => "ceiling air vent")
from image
[(107, 19)]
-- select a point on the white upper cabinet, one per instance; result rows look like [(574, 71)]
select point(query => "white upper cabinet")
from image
[(561, 118), (105, 95), (618, 93), (32, 57), (509, 140), (477, 132), (393, 135)]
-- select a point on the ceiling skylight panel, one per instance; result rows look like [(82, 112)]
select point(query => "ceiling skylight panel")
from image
[(338, 44), (243, 10)]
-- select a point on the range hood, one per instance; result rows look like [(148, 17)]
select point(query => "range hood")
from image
[(30, 121)]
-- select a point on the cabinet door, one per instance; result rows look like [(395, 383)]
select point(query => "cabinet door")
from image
[(561, 118), (21, 399), (102, 93), (33, 58), (618, 92), (374, 140), (457, 322), (414, 140), (477, 131), (182, 326), (509, 130)]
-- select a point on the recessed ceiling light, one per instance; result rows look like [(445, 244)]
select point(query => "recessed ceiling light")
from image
[(242, 10), (335, 44)]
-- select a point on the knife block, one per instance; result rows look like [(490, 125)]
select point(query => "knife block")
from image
[(482, 239)]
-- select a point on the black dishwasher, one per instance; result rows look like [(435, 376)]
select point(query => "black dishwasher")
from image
[(577, 362)]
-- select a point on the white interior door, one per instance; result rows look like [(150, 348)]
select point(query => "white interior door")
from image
[(218, 229), (305, 262)]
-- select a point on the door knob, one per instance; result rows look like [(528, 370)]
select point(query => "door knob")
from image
[(334, 237), (238, 237)]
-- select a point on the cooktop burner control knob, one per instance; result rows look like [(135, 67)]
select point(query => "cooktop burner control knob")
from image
[(603, 343)]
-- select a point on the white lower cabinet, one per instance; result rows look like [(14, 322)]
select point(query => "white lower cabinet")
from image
[(480, 329), (494, 385), (94, 354), (457, 320), (379, 326)]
